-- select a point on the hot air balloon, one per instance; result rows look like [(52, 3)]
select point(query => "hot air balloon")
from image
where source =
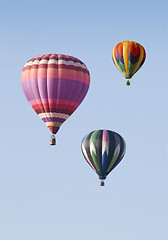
[(128, 56), (55, 85), (103, 150)]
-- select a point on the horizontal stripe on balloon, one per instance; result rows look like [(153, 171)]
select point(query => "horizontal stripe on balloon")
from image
[(53, 115), (69, 90), (52, 68), (60, 120), (54, 101), (53, 124), (43, 75), (56, 62), (67, 111), (60, 108), (58, 67)]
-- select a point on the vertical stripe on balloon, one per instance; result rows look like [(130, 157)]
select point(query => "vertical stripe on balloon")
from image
[(85, 154), (115, 59), (105, 149), (93, 151), (140, 59), (126, 57)]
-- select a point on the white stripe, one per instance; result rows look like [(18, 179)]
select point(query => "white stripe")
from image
[(56, 115), (105, 148), (84, 151), (77, 64), (117, 150), (43, 61), (28, 63), (123, 153), (36, 62), (53, 61), (92, 148)]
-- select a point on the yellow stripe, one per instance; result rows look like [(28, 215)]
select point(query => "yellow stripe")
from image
[(53, 114), (116, 61), (140, 58), (53, 124), (126, 56)]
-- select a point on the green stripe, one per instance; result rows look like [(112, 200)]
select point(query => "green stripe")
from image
[(113, 161), (124, 147), (122, 67), (131, 68), (94, 158)]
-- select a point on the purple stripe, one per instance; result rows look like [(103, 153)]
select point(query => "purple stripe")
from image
[(56, 88), (119, 58), (66, 89), (53, 119), (27, 90), (117, 140), (133, 59)]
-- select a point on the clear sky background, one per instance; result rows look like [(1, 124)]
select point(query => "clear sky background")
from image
[(51, 192)]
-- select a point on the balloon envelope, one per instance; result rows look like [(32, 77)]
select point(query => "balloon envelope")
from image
[(55, 85), (128, 56), (103, 150)]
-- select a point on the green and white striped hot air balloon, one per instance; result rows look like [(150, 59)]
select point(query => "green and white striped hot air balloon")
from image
[(103, 150)]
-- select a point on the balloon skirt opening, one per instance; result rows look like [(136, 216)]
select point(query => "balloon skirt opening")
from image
[(53, 129)]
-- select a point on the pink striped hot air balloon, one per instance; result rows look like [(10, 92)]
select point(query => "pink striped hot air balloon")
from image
[(55, 85)]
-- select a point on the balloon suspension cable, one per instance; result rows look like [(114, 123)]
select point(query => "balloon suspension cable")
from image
[(52, 140), (101, 183), (128, 83)]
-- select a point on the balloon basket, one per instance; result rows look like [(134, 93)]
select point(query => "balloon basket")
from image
[(128, 83), (101, 183), (52, 141)]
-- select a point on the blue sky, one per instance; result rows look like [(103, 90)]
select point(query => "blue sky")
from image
[(50, 192)]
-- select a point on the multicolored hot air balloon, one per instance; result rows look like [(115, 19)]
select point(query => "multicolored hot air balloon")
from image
[(128, 56), (103, 150), (55, 85)]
